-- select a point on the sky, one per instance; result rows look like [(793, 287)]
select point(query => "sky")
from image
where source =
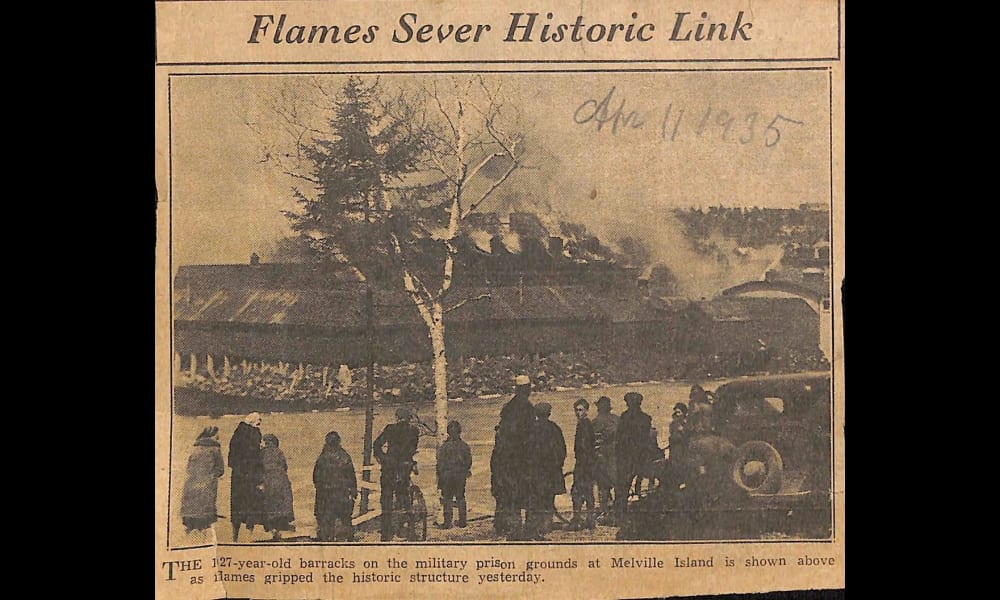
[(227, 201)]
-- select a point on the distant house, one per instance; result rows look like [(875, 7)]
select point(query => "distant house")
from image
[(743, 324)]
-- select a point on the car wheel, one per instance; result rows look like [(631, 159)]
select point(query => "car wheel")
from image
[(758, 468)]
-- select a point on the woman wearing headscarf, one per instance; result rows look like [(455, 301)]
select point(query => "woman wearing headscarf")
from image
[(276, 497), (204, 468), (336, 488), (248, 473)]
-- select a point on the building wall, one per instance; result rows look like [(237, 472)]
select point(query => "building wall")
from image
[(677, 334), (392, 345)]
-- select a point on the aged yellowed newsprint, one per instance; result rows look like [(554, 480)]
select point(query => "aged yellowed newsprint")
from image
[(499, 299)]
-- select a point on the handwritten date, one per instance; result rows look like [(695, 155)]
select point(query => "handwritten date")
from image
[(674, 121)]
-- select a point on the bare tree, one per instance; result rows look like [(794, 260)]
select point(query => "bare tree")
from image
[(474, 150), (388, 180)]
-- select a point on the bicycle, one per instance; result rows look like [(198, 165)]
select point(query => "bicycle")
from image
[(411, 521)]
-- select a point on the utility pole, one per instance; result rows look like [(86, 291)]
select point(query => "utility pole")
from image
[(366, 475), (370, 402)]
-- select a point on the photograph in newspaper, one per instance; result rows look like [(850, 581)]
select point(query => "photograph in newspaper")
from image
[(501, 308)]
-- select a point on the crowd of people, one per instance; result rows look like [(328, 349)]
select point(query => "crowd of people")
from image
[(261, 492), (613, 454), (471, 377)]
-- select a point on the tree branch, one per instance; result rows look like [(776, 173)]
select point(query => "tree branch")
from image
[(483, 163), (439, 166), (444, 113), (466, 301), (449, 265), (300, 176), (418, 291), (497, 183)]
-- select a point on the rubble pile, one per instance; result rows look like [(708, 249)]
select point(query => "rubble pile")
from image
[(326, 386)]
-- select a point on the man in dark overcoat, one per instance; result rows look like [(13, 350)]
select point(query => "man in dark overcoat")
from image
[(585, 455), (248, 474), (605, 468), (510, 461), (394, 449), (547, 456), (633, 443)]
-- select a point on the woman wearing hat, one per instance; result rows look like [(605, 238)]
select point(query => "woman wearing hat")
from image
[(201, 487), (276, 497)]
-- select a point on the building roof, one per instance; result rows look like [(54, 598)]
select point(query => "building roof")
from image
[(748, 308), (331, 297), (218, 296), (266, 276)]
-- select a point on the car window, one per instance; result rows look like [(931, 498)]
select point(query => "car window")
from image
[(774, 406), (747, 406)]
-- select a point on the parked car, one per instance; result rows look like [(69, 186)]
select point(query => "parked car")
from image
[(762, 467)]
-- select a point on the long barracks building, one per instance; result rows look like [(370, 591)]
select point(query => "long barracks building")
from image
[(314, 314)]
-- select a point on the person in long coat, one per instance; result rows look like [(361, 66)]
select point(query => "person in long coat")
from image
[(336, 484), (201, 488), (510, 461), (678, 442), (277, 511), (248, 474), (547, 457), (605, 467), (501, 518), (585, 454), (633, 446)]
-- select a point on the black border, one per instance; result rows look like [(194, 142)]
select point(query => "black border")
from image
[(833, 531)]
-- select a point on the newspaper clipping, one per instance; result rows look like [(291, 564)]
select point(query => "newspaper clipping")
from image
[(500, 299)]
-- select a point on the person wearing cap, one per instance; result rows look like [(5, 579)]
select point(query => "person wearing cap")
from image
[(634, 428), (336, 484), (510, 461), (677, 443), (605, 472), (276, 506), (201, 487), (699, 419), (678, 440), (454, 464), (394, 449), (248, 471), (546, 459), (585, 455)]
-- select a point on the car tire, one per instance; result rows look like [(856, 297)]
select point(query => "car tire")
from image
[(764, 454)]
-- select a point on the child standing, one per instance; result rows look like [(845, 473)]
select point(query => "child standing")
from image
[(454, 464)]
